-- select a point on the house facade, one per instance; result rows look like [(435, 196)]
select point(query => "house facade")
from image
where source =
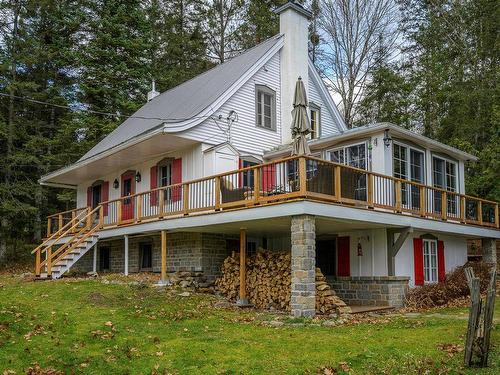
[(204, 169)]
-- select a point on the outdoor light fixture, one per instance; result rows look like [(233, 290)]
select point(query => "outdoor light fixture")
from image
[(360, 249), (116, 184), (137, 177), (387, 138)]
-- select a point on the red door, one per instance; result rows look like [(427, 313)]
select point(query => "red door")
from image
[(128, 188), (343, 254)]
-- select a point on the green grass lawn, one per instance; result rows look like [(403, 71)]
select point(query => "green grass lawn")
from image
[(95, 328)]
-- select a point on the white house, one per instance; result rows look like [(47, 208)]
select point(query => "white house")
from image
[(175, 186)]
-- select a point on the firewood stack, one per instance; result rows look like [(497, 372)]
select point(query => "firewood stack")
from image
[(269, 283)]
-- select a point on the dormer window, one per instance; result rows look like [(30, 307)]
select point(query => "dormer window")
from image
[(265, 107)]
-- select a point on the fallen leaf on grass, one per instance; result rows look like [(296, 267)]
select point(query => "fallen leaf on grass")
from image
[(37, 370), (344, 366), (327, 370), (450, 349), (108, 324)]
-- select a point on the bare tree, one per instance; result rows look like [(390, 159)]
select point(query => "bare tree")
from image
[(222, 26), (351, 31)]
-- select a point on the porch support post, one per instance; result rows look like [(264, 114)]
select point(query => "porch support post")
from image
[(242, 300), (94, 260), (489, 250), (163, 279), (125, 238), (393, 247), (303, 288)]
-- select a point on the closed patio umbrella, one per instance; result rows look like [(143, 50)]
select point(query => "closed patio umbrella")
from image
[(300, 122)]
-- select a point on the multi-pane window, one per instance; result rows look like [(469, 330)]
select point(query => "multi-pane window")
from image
[(266, 107), (315, 122), (248, 176), (353, 182), (444, 175), (408, 164), (430, 261), (165, 175)]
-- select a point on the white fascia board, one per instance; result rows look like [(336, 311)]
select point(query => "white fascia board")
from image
[(326, 95), (212, 108), (111, 151), (57, 185)]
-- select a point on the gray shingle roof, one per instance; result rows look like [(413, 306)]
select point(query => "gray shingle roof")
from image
[(185, 101)]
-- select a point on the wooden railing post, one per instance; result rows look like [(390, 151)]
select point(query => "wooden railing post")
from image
[(60, 221), (161, 202), (497, 222), (338, 183), (138, 208), (73, 215), (101, 216), (422, 201), (462, 209), (119, 211), (217, 193), (49, 261), (302, 176), (256, 185), (444, 206), (480, 212), (89, 219), (49, 224), (370, 190), (397, 187), (185, 200), (37, 262)]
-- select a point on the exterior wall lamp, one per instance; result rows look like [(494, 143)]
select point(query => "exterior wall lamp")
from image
[(138, 177), (116, 184), (387, 138)]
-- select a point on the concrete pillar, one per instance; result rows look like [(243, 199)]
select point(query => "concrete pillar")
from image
[(303, 298), (94, 260), (489, 248), (125, 238)]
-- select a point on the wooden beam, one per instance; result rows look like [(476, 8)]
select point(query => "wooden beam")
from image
[(423, 209), (444, 206), (256, 185), (243, 272), (338, 186), (37, 262), (302, 176), (49, 261), (370, 190), (163, 256), (401, 239), (217, 193), (394, 247)]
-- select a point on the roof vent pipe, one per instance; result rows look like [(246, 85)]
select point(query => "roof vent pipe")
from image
[(153, 93)]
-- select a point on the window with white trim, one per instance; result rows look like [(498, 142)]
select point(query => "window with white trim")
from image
[(265, 103), (408, 164), (353, 155), (315, 115), (444, 176), (430, 261)]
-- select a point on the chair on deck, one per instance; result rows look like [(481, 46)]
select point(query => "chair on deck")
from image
[(231, 194)]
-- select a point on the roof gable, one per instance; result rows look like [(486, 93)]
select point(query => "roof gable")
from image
[(187, 102)]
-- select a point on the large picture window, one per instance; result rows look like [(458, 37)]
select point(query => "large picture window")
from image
[(265, 111)]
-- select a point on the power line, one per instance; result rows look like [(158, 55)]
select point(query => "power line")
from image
[(31, 100)]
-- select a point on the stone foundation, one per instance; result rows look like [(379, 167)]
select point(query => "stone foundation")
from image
[(371, 290), (193, 252)]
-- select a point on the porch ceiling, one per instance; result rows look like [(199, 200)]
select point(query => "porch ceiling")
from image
[(94, 168)]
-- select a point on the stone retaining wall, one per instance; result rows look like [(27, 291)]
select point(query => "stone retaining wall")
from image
[(371, 290)]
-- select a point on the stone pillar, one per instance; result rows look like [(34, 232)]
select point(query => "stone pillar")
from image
[(489, 248), (125, 271), (303, 299)]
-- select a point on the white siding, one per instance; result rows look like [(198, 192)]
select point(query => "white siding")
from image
[(246, 137), (327, 123)]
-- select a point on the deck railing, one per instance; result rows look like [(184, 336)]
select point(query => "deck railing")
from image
[(288, 179)]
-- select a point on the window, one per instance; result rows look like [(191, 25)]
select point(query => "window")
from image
[(444, 175), (354, 156), (247, 176), (146, 256), (265, 107), (165, 176), (408, 164), (315, 115), (430, 261)]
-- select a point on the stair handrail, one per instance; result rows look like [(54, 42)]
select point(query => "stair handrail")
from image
[(56, 234), (74, 245), (75, 236)]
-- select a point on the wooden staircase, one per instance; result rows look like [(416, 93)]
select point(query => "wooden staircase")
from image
[(66, 246)]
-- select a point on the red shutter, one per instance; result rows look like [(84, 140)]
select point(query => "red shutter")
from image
[(343, 257), (177, 179), (268, 177), (418, 261), (89, 196), (441, 264), (105, 196), (153, 184)]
